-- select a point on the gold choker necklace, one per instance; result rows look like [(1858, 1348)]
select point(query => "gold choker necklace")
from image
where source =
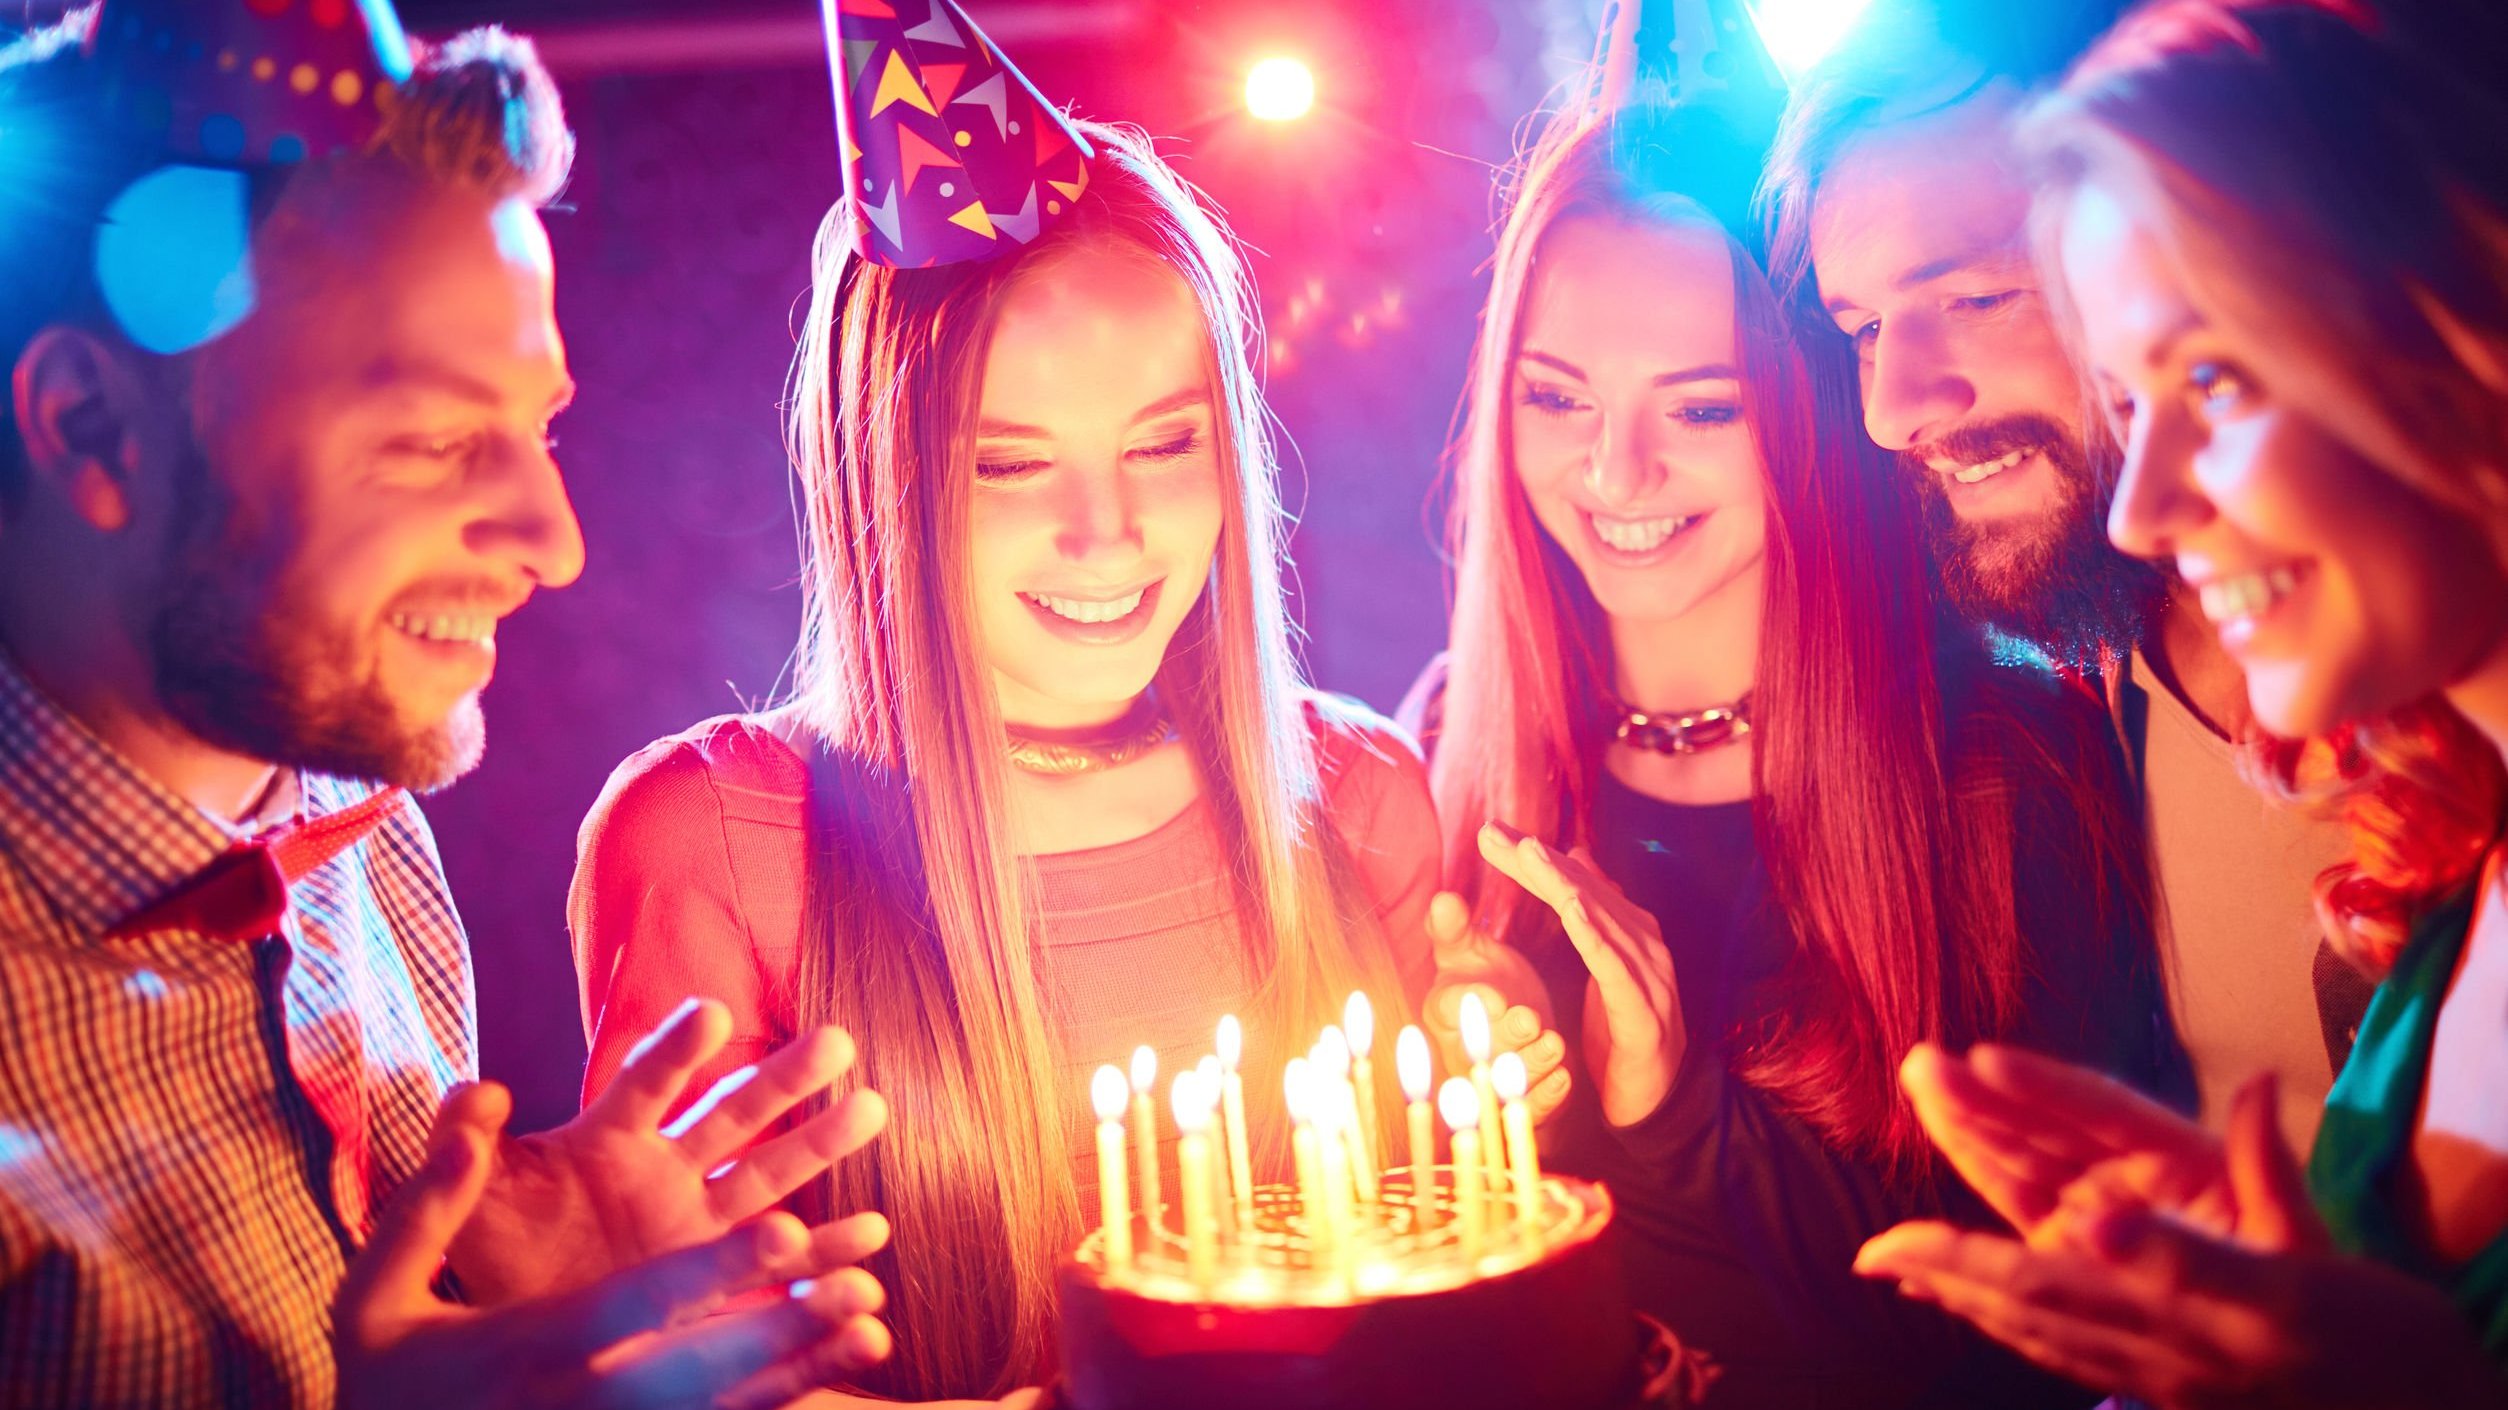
[(1061, 759), (1691, 733)]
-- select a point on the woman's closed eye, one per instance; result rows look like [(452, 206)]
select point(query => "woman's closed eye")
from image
[(1175, 447)]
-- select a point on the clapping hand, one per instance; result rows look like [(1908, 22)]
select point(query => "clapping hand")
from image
[(1469, 963), (2165, 1267), (634, 1339), (1634, 1036), (614, 1187)]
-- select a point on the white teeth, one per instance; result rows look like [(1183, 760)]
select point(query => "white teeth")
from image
[(1639, 535), (1076, 610), (2247, 595), (475, 631), (1988, 469)]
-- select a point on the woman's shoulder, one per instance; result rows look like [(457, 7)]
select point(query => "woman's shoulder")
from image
[(1356, 748), (1423, 707), (729, 766)]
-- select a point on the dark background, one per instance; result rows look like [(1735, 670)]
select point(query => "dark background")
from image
[(708, 157)]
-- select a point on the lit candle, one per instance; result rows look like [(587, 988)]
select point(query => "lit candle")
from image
[(1192, 1102), (1207, 1073), (1410, 1062), (1358, 1019), (1332, 1152), (1232, 1119), (1461, 1107), (1145, 1129), (1332, 1058), (1313, 1211), (1508, 1076), (1114, 1197), (1475, 1024)]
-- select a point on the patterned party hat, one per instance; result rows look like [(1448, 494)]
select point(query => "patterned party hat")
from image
[(950, 155), (225, 89), (1671, 51), (250, 82)]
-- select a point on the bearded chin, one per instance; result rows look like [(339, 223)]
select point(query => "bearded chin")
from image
[(2053, 581), (246, 665)]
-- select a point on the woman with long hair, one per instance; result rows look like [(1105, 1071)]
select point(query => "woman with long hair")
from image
[(1704, 753), (1048, 785), (2281, 230)]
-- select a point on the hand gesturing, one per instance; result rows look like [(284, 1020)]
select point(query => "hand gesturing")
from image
[(1634, 1036), (614, 1187), (1470, 963)]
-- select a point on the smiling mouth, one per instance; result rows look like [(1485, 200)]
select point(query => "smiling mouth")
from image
[(1089, 611), (450, 629), (1983, 470), (1639, 535), (2247, 596)]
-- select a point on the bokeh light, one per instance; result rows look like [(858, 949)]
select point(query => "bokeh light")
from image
[(1799, 32), (1280, 90)]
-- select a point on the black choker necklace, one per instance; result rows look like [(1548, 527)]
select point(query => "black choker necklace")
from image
[(1691, 733)]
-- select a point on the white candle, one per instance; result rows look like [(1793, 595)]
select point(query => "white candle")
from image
[(1298, 1080), (1461, 1107), (1207, 1073), (1475, 1024), (1114, 1198), (1410, 1062), (1509, 1077), (1358, 1019), (1232, 1119), (1193, 1175), (1145, 1129), (1332, 1059)]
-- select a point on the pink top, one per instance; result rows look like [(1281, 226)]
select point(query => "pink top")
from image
[(688, 880)]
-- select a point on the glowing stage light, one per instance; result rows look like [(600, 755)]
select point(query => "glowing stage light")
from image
[(1799, 32), (1279, 90)]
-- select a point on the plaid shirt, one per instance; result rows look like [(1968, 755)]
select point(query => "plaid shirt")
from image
[(195, 1133)]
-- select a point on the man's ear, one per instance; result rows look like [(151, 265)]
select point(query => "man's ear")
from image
[(78, 400)]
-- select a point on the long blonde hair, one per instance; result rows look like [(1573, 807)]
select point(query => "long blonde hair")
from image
[(931, 959), (2346, 175)]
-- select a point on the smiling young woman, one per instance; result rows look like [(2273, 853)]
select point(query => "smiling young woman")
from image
[(1049, 786), (1657, 515)]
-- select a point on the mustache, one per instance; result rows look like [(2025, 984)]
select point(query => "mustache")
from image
[(461, 597), (1980, 441)]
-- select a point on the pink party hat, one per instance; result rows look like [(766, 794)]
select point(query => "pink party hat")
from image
[(950, 155), (241, 83)]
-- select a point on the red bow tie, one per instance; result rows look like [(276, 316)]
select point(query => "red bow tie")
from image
[(243, 894)]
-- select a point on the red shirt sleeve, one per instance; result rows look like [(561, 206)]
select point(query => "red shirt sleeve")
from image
[(656, 917)]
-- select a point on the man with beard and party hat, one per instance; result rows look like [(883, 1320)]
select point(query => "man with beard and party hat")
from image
[(1898, 213), (276, 304)]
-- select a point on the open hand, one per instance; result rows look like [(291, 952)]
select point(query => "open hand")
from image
[(614, 1187), (2130, 1298), (1634, 1036), (1468, 963), (637, 1338)]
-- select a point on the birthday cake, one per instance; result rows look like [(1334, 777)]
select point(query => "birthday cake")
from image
[(1532, 1313)]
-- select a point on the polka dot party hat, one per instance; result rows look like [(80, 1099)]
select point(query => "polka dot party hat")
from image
[(1669, 51), (251, 82), (226, 89), (950, 155)]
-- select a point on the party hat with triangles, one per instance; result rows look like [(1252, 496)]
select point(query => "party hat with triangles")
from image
[(1683, 51), (950, 155), (223, 90)]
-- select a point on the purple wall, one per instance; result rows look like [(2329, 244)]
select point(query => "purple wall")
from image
[(682, 267)]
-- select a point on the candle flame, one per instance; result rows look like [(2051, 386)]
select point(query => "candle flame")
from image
[(1459, 1103), (1144, 1068), (1231, 1041), (1106, 1093), (1192, 1099), (1410, 1059), (1508, 1075), (1208, 1070), (1332, 1054), (1474, 1017), (1299, 1080), (1359, 1017)]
